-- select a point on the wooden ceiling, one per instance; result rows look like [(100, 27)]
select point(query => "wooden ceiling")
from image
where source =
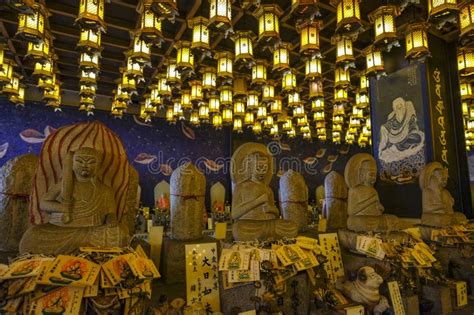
[(122, 17)]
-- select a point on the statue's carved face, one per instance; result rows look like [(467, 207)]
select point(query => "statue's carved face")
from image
[(373, 279), (368, 173), (260, 167), (84, 165), (442, 176)]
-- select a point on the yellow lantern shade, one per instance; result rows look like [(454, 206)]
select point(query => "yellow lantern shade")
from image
[(309, 37), (337, 124), (249, 119), (200, 33), (141, 52), (186, 99), (374, 60), (252, 101), (119, 105), (294, 99), (466, 19), (281, 56), (155, 97), (319, 116), (466, 91), (466, 61), (268, 122), (357, 112), (344, 51), (291, 133), (438, 8), (90, 40), (91, 14), (237, 125), (243, 42), (362, 100), (274, 130), (268, 24), (224, 64), (209, 78), (383, 19), (416, 40), (43, 70), (262, 113), (220, 14), (47, 83), (89, 62), (170, 117), (39, 51), (364, 84), (317, 105), (268, 91), (177, 110), (342, 77), (276, 106), (194, 118), (134, 69), (87, 90), (54, 93), (150, 26), (338, 111), (288, 82), (31, 27), (18, 99), (148, 107), (128, 85), (166, 8), (348, 16), (162, 85), (298, 111), (465, 109), (12, 87), (227, 116), (287, 125), (259, 72), (302, 121), (173, 76), (184, 56), (88, 78), (313, 68), (239, 108), (354, 122), (225, 95), (196, 90), (257, 127), (316, 89), (217, 120), (122, 94), (214, 104), (340, 95)]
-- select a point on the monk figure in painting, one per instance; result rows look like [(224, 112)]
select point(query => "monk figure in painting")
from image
[(80, 209), (253, 205), (365, 212), (437, 201)]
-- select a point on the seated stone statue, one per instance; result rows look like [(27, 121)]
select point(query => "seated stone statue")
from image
[(335, 202), (294, 199), (80, 209), (253, 205), (437, 201), (365, 212)]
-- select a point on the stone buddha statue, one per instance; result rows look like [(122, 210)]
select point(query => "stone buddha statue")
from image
[(294, 199), (437, 201), (81, 210), (365, 212), (253, 205)]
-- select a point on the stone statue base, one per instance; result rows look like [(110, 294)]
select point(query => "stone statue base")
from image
[(348, 238), (263, 230), (443, 220), (376, 223), (52, 239)]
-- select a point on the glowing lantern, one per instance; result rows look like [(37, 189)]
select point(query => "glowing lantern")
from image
[(220, 14), (91, 14), (170, 117), (12, 87), (348, 16), (217, 121), (342, 77), (298, 111), (209, 78), (313, 68), (257, 128), (196, 90), (166, 8), (224, 64), (268, 122), (274, 130), (43, 70), (240, 86), (416, 40), (466, 19), (288, 82), (344, 52), (357, 112), (200, 33), (268, 24), (340, 95), (133, 69), (148, 107), (20, 98), (47, 83), (186, 99), (287, 125), (466, 61), (173, 77), (374, 60), (249, 119), (276, 106), (364, 84), (317, 105), (252, 101), (150, 30), (123, 94), (128, 85), (86, 90), (259, 72), (31, 26), (239, 108), (318, 116), (441, 8), (362, 100), (119, 105), (281, 57), (243, 45), (89, 62), (316, 89), (177, 110), (90, 40), (214, 104), (262, 113), (225, 95), (384, 23), (309, 37), (141, 51), (54, 94), (237, 124), (294, 99), (162, 85), (465, 109), (268, 91), (194, 118), (466, 91), (39, 52), (227, 116), (302, 121), (88, 78), (203, 112), (291, 133)]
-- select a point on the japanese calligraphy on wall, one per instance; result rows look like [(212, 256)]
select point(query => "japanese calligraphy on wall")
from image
[(439, 118), (202, 282)]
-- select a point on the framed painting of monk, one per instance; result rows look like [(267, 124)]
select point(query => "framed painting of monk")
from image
[(399, 109)]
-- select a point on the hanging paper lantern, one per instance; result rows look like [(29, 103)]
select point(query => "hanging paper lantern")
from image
[(150, 29), (39, 52), (304, 7), (319, 116), (348, 16), (217, 121), (344, 52), (163, 88), (196, 90), (237, 126), (128, 85), (276, 106), (194, 118), (317, 105), (362, 100), (209, 78), (257, 128), (287, 125), (249, 119), (88, 78), (466, 91), (416, 40), (43, 70), (243, 41), (227, 116), (268, 24), (31, 27), (240, 86), (119, 105), (466, 61), (87, 90), (90, 40), (288, 82), (341, 77), (239, 108), (220, 14), (54, 94), (214, 104), (200, 33), (224, 64), (19, 99), (252, 100), (12, 87), (89, 62), (294, 99), (268, 91), (313, 69), (340, 95), (177, 110), (441, 8), (374, 60), (383, 19), (309, 37), (364, 84), (166, 8), (203, 112), (173, 76), (186, 99), (281, 56), (47, 83), (298, 111), (268, 122), (274, 130), (123, 95), (466, 19), (170, 117), (262, 113), (141, 51), (225, 95), (133, 69), (259, 72), (91, 14), (316, 89), (148, 107)]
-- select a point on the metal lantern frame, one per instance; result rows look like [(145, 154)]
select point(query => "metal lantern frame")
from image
[(89, 61), (383, 19), (344, 49), (32, 27), (225, 61), (90, 40), (41, 50), (281, 56), (309, 36), (374, 59), (150, 26), (268, 23), (466, 61), (243, 45), (201, 34), (313, 69), (259, 72), (466, 19), (348, 16), (220, 14), (416, 41), (316, 89), (342, 77), (91, 14), (141, 52)]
